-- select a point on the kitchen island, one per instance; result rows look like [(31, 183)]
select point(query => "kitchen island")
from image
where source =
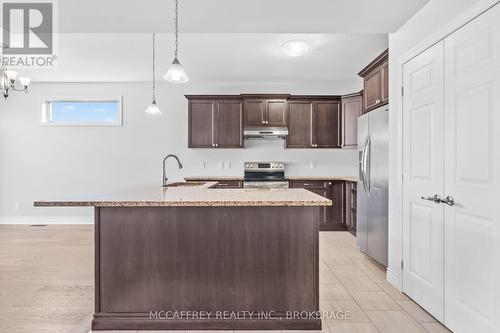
[(195, 257)]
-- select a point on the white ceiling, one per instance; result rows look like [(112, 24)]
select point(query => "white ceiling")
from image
[(212, 57), (222, 40), (228, 16)]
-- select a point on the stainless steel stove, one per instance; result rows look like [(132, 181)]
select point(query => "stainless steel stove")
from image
[(265, 175)]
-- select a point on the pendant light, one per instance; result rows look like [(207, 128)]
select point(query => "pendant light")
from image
[(175, 72), (8, 78), (153, 109)]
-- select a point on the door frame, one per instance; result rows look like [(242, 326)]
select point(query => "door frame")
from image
[(395, 272)]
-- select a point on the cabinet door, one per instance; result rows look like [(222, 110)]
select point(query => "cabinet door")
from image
[(384, 73), (351, 109), (201, 124), (326, 124), (299, 124), (255, 112), (323, 215), (276, 113), (373, 89), (335, 213), (229, 129)]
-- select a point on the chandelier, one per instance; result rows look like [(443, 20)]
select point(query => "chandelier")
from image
[(8, 79)]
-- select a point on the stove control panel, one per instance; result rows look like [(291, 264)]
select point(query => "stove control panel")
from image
[(265, 166)]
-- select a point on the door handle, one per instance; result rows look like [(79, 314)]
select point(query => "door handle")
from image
[(436, 198), (449, 201)]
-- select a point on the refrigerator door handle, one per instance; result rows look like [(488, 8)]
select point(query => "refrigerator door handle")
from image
[(368, 164), (363, 166)]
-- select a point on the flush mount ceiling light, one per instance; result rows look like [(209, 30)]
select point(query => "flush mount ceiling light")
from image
[(153, 109), (175, 72), (295, 47), (8, 78)]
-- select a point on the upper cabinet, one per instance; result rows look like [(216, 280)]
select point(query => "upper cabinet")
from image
[(352, 108), (314, 122), (322, 121), (376, 82), (264, 110), (215, 122)]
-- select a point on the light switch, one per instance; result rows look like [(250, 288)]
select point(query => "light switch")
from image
[(220, 165), (312, 164), (227, 165), (203, 165)]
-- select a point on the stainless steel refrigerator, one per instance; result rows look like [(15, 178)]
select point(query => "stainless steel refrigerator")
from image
[(372, 202)]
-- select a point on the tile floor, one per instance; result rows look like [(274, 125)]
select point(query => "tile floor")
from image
[(46, 276)]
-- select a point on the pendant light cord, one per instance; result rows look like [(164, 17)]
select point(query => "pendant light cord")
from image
[(154, 65), (176, 22)]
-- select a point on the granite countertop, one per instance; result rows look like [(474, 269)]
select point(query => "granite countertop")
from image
[(215, 178), (200, 195), (346, 178)]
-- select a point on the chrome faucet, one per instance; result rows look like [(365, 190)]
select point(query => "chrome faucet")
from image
[(164, 177)]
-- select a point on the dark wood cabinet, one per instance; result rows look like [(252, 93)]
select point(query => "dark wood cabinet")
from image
[(352, 108), (299, 124), (201, 123), (215, 123), (229, 124), (264, 110), (254, 112), (384, 72), (221, 183), (314, 123), (350, 206), (330, 217), (376, 82)]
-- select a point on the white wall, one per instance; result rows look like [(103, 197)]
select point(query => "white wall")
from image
[(427, 24), (42, 162)]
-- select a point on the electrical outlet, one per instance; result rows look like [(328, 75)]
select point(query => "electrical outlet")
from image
[(220, 165), (312, 164), (17, 207), (203, 165), (227, 165)]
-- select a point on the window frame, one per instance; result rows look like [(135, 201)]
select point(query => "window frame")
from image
[(46, 113)]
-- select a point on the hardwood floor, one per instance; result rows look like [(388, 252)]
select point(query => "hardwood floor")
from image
[(46, 285)]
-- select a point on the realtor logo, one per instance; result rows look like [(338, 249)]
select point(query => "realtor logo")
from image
[(28, 27)]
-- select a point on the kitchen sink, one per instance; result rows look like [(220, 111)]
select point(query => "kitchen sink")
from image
[(185, 184)]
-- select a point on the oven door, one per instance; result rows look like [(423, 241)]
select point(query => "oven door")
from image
[(257, 184)]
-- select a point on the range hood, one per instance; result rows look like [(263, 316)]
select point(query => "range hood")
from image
[(270, 133)]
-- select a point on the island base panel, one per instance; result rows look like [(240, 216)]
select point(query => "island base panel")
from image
[(206, 259)]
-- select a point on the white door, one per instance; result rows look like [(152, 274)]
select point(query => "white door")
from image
[(423, 224), (472, 176)]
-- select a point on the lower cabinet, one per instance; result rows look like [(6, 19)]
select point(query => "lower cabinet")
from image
[(350, 206), (222, 183), (229, 184), (332, 218)]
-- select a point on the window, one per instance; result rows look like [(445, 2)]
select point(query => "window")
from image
[(82, 112)]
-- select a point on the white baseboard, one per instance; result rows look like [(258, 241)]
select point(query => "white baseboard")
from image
[(46, 220), (394, 278)]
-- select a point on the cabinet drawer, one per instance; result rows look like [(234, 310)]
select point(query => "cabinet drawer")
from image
[(309, 184), (229, 184)]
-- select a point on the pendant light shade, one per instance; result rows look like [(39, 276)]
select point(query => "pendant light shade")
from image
[(175, 72), (153, 108)]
